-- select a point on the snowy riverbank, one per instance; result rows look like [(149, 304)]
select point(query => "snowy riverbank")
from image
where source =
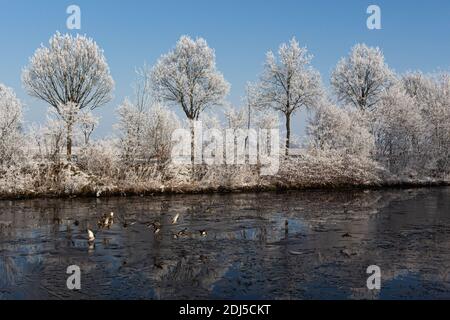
[(311, 172)]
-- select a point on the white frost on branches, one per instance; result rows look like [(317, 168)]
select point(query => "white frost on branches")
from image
[(187, 76), (398, 130), (431, 94), (386, 127), (289, 83), (146, 134), (87, 123), (343, 130), (362, 77), (10, 125), (70, 73), (145, 126)]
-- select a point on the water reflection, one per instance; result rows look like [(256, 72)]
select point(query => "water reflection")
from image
[(294, 245)]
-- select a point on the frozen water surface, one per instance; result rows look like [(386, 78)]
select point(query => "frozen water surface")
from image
[(331, 239)]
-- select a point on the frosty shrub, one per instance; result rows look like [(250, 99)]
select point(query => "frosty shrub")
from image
[(329, 168), (14, 182), (100, 159)]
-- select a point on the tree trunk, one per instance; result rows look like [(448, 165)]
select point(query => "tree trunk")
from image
[(288, 132), (69, 142), (192, 142), (248, 128)]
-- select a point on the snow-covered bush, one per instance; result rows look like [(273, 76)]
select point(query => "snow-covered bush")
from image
[(328, 168), (14, 181), (100, 158)]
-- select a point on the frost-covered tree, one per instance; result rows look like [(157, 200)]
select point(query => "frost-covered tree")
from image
[(256, 129), (143, 88), (130, 127), (289, 82), (10, 124), (133, 115), (46, 142), (362, 77), (416, 85), (267, 120), (236, 118), (70, 72), (146, 134), (245, 117), (187, 77), (251, 102), (145, 126), (162, 122), (51, 138), (87, 123), (399, 131), (68, 114), (343, 130), (431, 93), (237, 122)]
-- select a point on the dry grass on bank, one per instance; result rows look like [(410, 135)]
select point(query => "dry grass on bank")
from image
[(109, 177)]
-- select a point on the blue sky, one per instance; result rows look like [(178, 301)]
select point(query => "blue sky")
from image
[(414, 35)]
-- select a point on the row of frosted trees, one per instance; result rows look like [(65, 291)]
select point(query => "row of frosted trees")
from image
[(401, 122)]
